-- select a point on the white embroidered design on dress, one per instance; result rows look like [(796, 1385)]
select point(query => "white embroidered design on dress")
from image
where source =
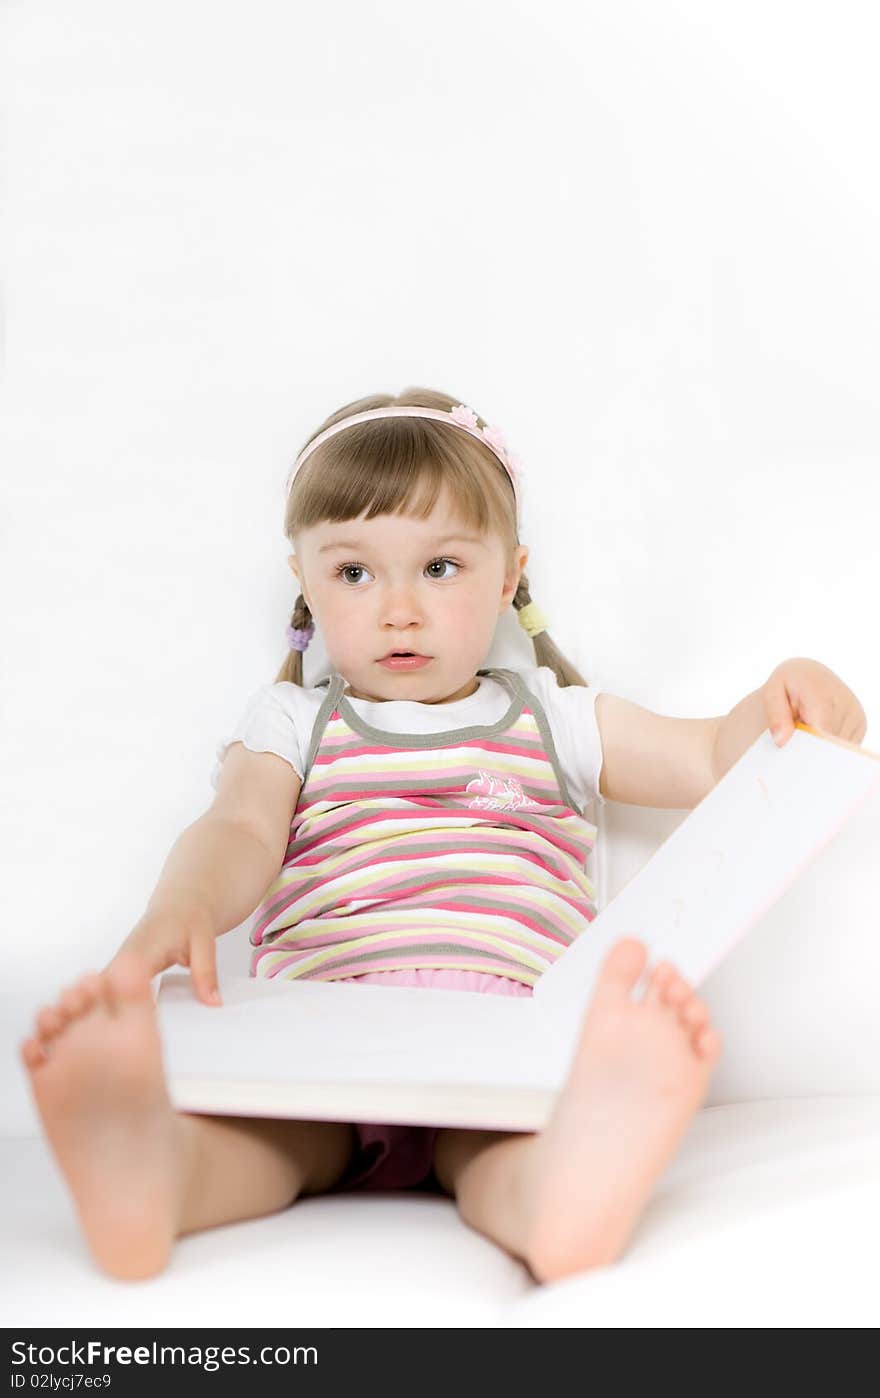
[(498, 793)]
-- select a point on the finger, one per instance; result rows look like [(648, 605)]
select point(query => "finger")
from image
[(856, 725), (778, 710), (203, 968)]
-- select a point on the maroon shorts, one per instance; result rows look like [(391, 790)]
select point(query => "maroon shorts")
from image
[(402, 1157)]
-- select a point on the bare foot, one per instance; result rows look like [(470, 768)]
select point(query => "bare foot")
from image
[(95, 1067), (640, 1071)]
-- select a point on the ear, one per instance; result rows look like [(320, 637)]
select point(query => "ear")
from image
[(293, 565), (514, 572)]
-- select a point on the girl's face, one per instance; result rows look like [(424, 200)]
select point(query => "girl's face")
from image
[(398, 583)]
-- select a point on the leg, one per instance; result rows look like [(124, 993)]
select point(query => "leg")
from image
[(141, 1174), (483, 1170), (244, 1167), (567, 1198)]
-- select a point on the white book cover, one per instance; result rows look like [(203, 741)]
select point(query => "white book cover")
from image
[(329, 1051)]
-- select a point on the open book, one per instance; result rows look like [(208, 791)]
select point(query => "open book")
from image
[(325, 1050)]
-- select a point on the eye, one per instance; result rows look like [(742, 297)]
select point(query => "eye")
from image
[(441, 576), (345, 570), (350, 568)]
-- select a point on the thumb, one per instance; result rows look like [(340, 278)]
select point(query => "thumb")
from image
[(203, 968), (778, 712)]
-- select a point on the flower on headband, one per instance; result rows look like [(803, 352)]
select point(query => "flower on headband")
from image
[(464, 415), (492, 436), (495, 437)]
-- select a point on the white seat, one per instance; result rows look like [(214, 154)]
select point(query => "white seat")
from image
[(767, 1216)]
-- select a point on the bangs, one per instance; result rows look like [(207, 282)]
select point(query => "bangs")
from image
[(401, 466)]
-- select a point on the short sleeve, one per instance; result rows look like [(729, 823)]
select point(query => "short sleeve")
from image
[(571, 714), (266, 725)]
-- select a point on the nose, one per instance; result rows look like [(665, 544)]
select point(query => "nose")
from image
[(401, 617), (400, 610)]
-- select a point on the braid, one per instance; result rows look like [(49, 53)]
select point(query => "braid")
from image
[(546, 653), (300, 618)]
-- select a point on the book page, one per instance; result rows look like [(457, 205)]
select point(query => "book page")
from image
[(725, 865), (322, 1032)]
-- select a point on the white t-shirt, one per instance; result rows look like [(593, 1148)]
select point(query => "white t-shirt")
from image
[(279, 718)]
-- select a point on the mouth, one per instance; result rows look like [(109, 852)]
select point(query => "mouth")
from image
[(404, 660)]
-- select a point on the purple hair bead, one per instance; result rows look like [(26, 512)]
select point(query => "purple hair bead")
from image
[(299, 639)]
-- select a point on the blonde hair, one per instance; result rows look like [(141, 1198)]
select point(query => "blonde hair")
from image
[(400, 464)]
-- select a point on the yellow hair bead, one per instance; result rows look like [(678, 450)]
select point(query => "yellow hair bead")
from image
[(532, 620)]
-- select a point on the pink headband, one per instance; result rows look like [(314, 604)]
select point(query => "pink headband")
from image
[(460, 416)]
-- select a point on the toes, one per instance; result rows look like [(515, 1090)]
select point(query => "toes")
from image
[(708, 1043), (73, 1001), (79, 998), (70, 1002), (662, 976), (670, 989), (49, 1023), (694, 1013), (91, 988), (33, 1054), (677, 991), (621, 968), (53, 1020), (694, 1018)]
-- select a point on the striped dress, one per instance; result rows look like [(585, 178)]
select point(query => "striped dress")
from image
[(458, 850)]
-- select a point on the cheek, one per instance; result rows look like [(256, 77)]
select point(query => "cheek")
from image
[(351, 620), (326, 603), (340, 610), (471, 606)]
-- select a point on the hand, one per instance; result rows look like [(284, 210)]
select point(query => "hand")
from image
[(805, 691), (177, 937)]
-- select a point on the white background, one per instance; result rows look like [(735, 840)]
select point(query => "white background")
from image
[(640, 237)]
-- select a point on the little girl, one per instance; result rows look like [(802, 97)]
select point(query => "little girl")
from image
[(415, 819)]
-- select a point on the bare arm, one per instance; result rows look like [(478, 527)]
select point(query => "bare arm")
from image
[(219, 867), (651, 760)]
